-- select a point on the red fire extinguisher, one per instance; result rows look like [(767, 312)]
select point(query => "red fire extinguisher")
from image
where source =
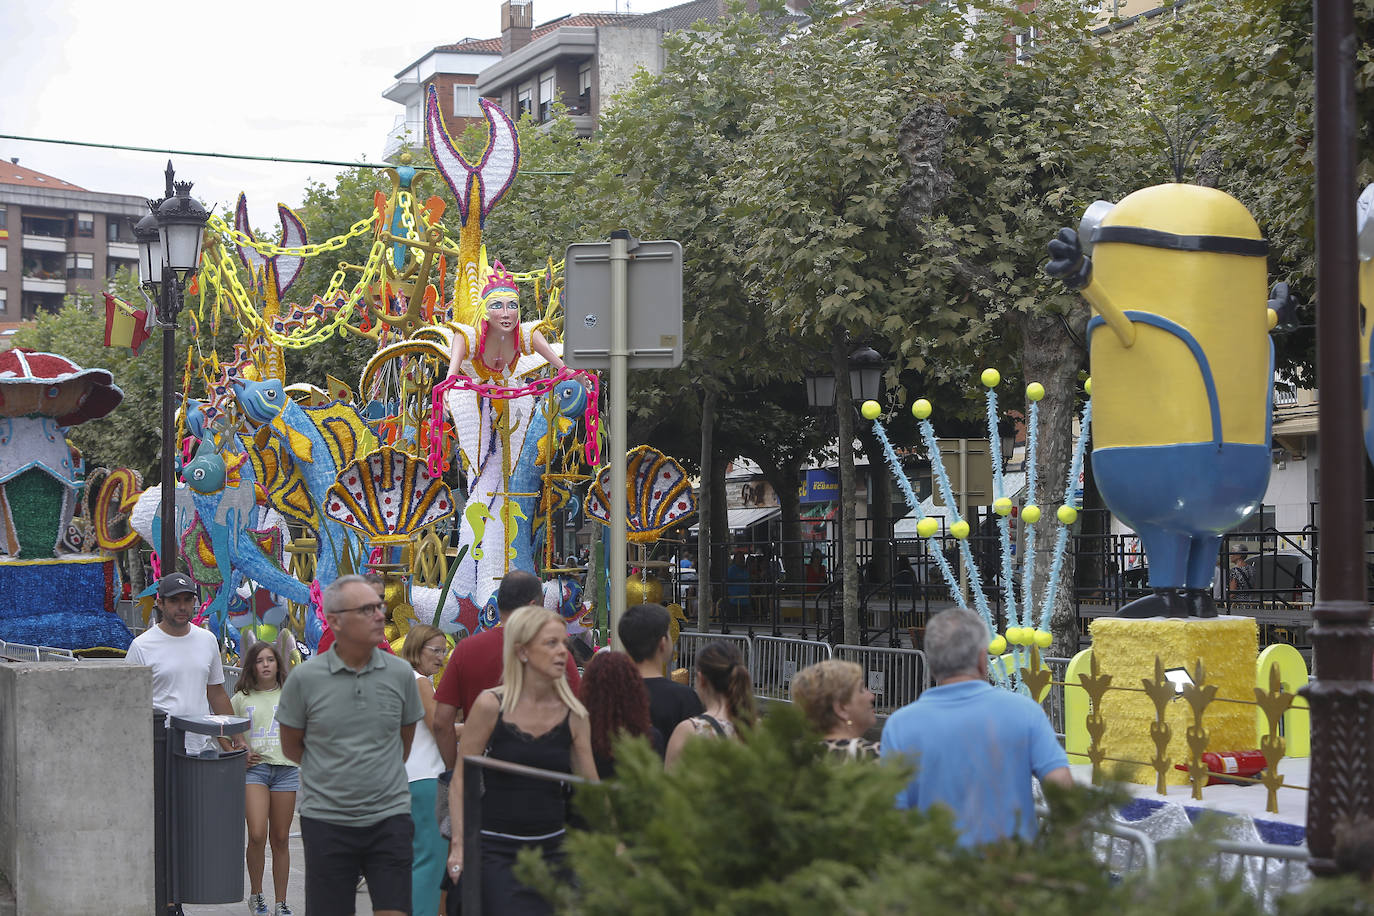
[(1247, 764)]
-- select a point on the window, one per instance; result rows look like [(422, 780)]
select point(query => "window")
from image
[(524, 100), (4, 219), (4, 259), (4, 296), (1025, 42), (113, 266), (85, 225), (465, 104), (79, 266), (584, 88), (546, 95)]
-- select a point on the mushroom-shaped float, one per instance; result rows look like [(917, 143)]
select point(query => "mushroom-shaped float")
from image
[(41, 396), (50, 595)]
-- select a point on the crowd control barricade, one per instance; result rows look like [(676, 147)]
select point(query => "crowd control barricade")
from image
[(896, 676), (19, 652), (1054, 702), (689, 643), (777, 660), (1268, 871)]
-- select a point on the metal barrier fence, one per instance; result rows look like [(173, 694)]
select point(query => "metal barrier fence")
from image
[(896, 676), (689, 643), (1054, 703), (21, 652), (1268, 871), (777, 660)]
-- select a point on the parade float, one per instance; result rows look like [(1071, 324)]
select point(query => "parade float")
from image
[(53, 590), (439, 467)]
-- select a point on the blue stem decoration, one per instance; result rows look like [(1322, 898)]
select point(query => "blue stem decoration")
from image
[(999, 490), (937, 464), (1028, 548), (1062, 538), (895, 465)]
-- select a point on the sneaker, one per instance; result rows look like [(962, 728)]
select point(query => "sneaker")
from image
[(282, 910), (257, 905)]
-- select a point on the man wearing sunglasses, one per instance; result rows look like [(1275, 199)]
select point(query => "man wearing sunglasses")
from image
[(347, 717)]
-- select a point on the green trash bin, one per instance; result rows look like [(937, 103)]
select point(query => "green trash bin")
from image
[(205, 795)]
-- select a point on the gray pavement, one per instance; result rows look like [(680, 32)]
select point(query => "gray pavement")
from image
[(295, 889)]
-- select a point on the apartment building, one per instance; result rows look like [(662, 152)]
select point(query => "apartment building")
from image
[(57, 238), (582, 60)]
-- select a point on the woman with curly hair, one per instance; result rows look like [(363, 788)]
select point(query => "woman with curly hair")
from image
[(838, 704), (617, 703)]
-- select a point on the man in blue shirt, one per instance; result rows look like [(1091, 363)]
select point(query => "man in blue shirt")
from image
[(975, 746)]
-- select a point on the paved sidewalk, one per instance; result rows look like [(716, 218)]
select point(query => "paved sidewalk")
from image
[(295, 889)]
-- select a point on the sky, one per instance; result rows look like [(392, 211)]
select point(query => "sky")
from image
[(286, 78)]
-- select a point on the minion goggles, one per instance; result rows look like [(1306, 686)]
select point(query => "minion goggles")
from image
[(1091, 231)]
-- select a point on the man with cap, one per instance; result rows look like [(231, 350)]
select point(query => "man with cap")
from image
[(188, 674)]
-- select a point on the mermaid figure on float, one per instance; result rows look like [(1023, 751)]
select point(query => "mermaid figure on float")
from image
[(500, 351)]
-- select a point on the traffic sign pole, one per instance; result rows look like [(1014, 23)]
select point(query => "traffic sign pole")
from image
[(619, 359)]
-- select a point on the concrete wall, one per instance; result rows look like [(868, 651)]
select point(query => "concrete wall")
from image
[(620, 52), (76, 788)]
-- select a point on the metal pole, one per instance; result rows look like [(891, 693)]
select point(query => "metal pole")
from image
[(962, 509), (168, 552), (1342, 697), (620, 355)]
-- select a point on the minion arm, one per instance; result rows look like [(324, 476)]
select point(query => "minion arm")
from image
[(1114, 317)]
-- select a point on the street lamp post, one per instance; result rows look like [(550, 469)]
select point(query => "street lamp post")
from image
[(863, 382), (169, 240)]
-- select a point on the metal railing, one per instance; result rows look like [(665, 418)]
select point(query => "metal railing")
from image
[(689, 643), (1268, 871), (775, 660), (22, 652), (896, 676), (472, 817)]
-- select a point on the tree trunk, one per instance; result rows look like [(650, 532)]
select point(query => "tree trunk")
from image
[(704, 513), (1051, 357), (786, 478), (720, 520), (844, 416), (879, 504)]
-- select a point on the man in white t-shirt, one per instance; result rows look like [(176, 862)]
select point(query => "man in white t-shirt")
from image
[(188, 674)]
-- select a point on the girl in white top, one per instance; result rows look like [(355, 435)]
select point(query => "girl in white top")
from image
[(272, 780), (425, 648)]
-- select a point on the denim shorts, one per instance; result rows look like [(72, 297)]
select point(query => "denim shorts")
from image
[(276, 777)]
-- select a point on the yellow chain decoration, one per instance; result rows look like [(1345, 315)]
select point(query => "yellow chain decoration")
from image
[(268, 249)]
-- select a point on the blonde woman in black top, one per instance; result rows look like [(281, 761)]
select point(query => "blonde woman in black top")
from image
[(533, 719)]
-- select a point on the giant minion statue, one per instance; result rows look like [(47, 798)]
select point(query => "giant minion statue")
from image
[(1182, 376)]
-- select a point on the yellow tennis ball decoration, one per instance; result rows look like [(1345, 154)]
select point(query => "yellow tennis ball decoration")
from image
[(927, 527), (991, 378), (997, 646), (1002, 507), (1014, 635), (1035, 391), (1067, 514), (1043, 638), (959, 529), (1273, 318), (921, 409), (1088, 386), (1031, 514), (871, 410)]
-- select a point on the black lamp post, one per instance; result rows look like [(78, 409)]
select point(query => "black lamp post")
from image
[(169, 240)]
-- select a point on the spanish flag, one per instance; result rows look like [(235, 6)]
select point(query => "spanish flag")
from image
[(125, 326)]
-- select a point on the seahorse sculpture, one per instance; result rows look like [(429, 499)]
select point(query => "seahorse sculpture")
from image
[(302, 449), (224, 539)]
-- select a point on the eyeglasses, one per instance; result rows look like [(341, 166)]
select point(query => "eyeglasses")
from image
[(440, 651), (367, 610)]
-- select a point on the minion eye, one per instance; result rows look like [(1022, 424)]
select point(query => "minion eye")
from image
[(1092, 218)]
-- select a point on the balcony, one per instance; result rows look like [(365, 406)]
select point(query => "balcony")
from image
[(45, 243), (403, 135), (44, 284), (124, 250)]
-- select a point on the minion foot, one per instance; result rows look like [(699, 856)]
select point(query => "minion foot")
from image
[(1164, 602), (1200, 602)]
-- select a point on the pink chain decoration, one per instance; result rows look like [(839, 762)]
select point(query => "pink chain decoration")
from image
[(592, 417)]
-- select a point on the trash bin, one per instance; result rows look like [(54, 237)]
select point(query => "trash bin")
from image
[(206, 826)]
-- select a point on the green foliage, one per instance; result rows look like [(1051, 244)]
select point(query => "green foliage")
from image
[(777, 825)]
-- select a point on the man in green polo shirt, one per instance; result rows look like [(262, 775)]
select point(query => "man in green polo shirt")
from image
[(347, 716)]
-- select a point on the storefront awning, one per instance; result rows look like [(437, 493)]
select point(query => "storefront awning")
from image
[(740, 519)]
